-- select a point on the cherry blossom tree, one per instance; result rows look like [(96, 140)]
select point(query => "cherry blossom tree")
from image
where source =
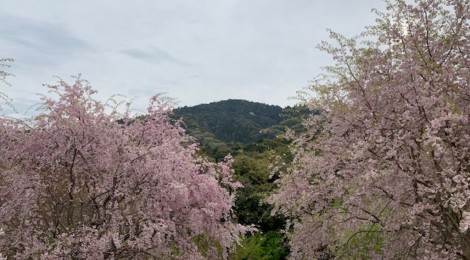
[(384, 171), (76, 184), (4, 65)]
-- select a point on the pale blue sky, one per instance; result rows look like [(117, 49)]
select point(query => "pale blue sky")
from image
[(196, 51)]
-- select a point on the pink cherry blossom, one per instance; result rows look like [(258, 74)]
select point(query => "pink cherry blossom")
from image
[(76, 184), (383, 172)]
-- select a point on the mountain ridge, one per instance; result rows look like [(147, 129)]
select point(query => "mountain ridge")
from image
[(230, 121)]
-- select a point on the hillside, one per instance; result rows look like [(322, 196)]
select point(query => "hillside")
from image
[(226, 126), (229, 121), (247, 130)]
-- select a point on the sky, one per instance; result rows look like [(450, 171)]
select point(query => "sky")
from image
[(194, 51)]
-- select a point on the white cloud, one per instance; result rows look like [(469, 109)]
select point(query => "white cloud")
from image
[(196, 51)]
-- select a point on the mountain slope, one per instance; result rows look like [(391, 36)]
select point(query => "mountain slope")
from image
[(229, 121)]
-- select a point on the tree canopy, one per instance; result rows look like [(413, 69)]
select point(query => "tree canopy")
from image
[(75, 183), (384, 170), (378, 168)]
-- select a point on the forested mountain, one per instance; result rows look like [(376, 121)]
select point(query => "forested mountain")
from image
[(253, 134), (379, 168), (219, 127), (232, 120)]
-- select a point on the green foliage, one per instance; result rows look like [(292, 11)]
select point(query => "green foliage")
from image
[(230, 121), (253, 134), (262, 246), (252, 169), (250, 209), (337, 203), (291, 118), (204, 244), (362, 243), (239, 126)]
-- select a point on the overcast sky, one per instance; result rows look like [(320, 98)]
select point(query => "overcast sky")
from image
[(196, 51)]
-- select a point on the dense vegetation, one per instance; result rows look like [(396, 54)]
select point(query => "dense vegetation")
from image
[(219, 125), (75, 183), (231, 120), (384, 171), (376, 165), (253, 163), (231, 126)]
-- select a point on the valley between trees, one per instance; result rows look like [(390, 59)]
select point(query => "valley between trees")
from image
[(255, 135), (373, 164)]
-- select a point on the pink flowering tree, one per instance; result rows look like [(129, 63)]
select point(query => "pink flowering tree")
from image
[(384, 171), (76, 184)]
